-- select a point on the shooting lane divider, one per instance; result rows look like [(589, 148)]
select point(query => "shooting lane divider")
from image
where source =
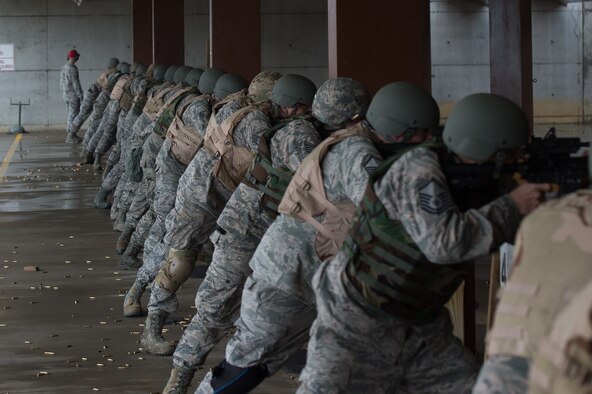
[(9, 154)]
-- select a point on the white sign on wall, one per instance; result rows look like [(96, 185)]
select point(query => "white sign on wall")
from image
[(6, 57)]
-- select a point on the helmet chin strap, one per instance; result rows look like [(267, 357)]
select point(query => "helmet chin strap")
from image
[(500, 156)]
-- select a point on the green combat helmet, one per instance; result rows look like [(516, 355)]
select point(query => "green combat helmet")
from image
[(123, 67), (208, 79), (113, 62), (401, 106), (150, 72), (482, 124), (133, 68), (181, 73), (262, 84), (159, 71), (228, 84), (193, 76), (169, 75), (339, 101), (141, 70), (292, 89)]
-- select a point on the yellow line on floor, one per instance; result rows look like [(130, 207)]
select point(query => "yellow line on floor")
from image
[(8, 157)]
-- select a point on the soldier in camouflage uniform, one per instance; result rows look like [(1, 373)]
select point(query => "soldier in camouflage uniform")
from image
[(140, 131), (381, 325), (170, 165), (88, 143), (91, 95), (130, 90), (243, 222), (71, 93), (104, 137), (142, 198), (216, 170), (536, 296), (116, 180), (145, 89), (276, 312)]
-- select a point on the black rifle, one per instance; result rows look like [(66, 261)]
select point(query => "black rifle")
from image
[(547, 160)]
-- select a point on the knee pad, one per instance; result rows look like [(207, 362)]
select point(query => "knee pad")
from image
[(228, 379), (176, 270)]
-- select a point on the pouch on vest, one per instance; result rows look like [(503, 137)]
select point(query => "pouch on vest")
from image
[(133, 167), (306, 200), (185, 141)]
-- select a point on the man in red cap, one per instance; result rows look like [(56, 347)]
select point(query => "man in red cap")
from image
[(71, 92)]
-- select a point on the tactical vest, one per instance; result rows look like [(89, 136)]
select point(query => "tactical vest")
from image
[(266, 178), (141, 98), (233, 161), (563, 360), (305, 196), (553, 261), (112, 80), (118, 89), (127, 98), (166, 114), (104, 77), (155, 101), (185, 141), (388, 269)]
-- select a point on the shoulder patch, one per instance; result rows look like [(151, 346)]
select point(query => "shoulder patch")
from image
[(371, 163), (434, 198)]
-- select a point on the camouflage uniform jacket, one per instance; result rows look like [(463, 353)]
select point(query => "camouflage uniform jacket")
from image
[(70, 82)]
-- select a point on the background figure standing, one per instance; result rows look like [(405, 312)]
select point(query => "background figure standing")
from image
[(71, 92)]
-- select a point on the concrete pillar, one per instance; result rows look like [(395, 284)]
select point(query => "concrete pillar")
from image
[(380, 41), (510, 38), (142, 31), (235, 36), (168, 31)]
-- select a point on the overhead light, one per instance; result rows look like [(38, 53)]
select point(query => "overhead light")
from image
[(78, 2)]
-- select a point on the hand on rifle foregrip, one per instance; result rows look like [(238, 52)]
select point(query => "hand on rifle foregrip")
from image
[(528, 196)]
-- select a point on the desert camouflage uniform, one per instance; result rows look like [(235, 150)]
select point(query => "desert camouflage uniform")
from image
[(150, 230), (71, 92), (356, 346), (559, 230), (201, 198), (240, 228), (277, 301)]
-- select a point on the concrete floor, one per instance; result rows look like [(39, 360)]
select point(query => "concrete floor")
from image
[(61, 328)]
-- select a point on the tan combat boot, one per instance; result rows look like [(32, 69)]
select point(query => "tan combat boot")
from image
[(179, 381), (131, 302), (152, 340)]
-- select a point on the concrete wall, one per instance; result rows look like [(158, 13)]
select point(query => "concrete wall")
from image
[(562, 54), (43, 31), (294, 40)]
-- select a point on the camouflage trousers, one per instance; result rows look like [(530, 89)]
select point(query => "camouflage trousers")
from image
[(272, 326), (95, 119), (352, 351), (85, 109), (142, 230), (73, 108), (119, 190), (107, 127), (218, 300), (503, 375), (144, 195), (108, 139), (112, 178)]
